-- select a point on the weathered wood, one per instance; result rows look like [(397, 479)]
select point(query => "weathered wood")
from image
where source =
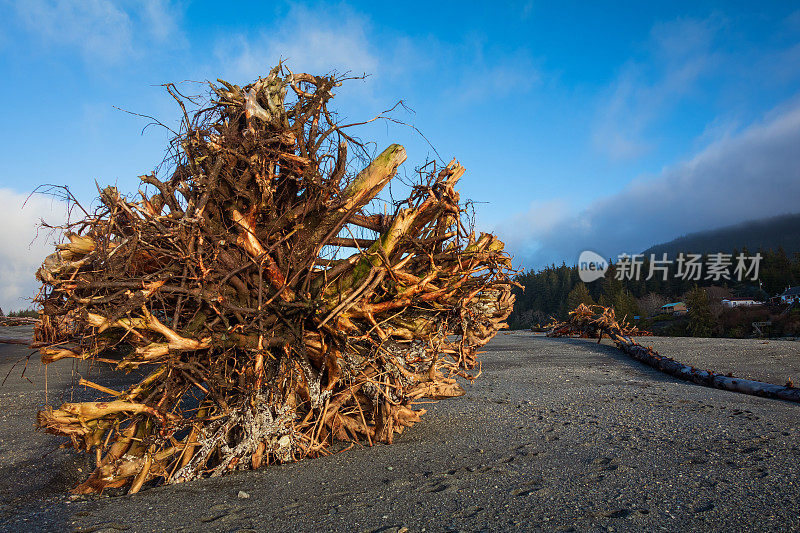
[(14, 340), (706, 378), (598, 321), (350, 242)]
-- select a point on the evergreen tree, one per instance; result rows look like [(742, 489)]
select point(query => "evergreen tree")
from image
[(547, 290), (625, 305), (701, 321), (579, 295)]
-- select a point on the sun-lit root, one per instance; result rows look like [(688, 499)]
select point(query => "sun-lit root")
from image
[(80, 419), (269, 300), (437, 390), (51, 355)]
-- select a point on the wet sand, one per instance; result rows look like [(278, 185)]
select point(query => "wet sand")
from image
[(557, 435)]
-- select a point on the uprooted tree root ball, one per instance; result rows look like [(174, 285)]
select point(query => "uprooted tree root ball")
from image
[(268, 311)]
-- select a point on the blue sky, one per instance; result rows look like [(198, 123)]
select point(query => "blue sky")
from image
[(607, 126)]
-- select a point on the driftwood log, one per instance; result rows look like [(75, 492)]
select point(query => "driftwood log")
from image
[(269, 304), (597, 321), (12, 321), (15, 340)]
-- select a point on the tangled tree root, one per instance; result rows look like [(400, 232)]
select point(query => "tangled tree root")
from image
[(597, 321), (271, 312)]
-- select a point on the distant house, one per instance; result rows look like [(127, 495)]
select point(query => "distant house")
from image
[(740, 302), (676, 308), (792, 294)]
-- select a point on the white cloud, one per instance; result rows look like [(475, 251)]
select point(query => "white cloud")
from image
[(315, 41), (161, 18), (519, 232), (491, 78), (21, 251), (103, 31), (753, 174), (100, 29), (679, 54), (338, 38), (720, 128)]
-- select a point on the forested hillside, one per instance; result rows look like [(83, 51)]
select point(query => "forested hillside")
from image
[(554, 290), (767, 233)]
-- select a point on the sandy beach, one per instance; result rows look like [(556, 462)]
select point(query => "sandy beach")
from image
[(556, 435)]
